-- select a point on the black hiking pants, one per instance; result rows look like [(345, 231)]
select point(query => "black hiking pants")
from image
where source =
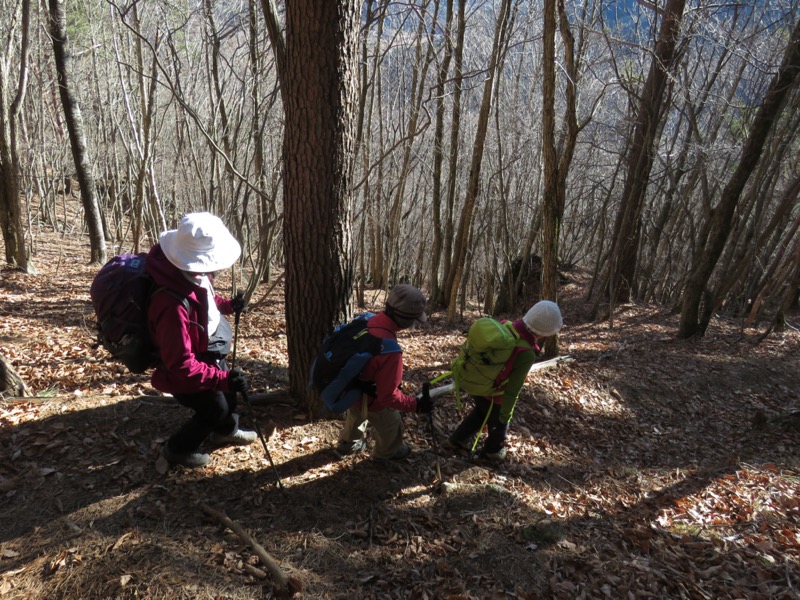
[(465, 433), (214, 412)]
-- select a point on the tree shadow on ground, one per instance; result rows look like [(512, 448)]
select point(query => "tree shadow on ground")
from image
[(363, 524), (90, 474)]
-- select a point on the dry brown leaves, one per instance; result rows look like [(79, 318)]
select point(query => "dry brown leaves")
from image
[(634, 472)]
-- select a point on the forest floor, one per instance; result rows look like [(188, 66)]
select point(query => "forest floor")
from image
[(650, 467)]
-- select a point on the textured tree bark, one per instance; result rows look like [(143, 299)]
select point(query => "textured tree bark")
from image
[(321, 97), (77, 138)]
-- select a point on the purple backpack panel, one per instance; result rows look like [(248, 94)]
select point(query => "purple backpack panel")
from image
[(120, 292)]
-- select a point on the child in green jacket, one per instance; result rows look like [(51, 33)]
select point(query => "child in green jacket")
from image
[(541, 321)]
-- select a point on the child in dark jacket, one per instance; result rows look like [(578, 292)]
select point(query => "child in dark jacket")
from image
[(405, 306), (187, 324)]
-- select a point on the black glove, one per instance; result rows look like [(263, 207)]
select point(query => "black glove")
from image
[(238, 303), (424, 400), (237, 382)]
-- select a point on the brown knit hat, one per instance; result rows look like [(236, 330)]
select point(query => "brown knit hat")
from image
[(407, 304)]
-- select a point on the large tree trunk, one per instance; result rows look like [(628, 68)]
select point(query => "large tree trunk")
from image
[(722, 215), (321, 96), (77, 138), (627, 228), (11, 225)]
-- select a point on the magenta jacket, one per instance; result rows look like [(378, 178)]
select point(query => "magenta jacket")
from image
[(386, 370), (181, 336)]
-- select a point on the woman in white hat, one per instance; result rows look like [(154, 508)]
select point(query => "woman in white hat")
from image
[(193, 338), (495, 411)]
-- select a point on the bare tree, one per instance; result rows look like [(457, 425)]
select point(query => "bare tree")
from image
[(11, 224), (454, 149), (557, 159), (473, 186), (649, 114), (77, 137), (439, 153), (717, 229)]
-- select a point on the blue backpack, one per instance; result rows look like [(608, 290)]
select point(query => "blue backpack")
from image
[(343, 355)]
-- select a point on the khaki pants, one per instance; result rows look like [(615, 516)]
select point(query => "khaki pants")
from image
[(387, 425)]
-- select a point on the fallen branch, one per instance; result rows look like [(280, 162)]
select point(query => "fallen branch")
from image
[(285, 586), (537, 366)]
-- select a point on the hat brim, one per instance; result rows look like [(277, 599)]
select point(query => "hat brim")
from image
[(226, 251)]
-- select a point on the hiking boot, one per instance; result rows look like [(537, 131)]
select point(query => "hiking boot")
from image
[(242, 437), (452, 443), (345, 448), (497, 456), (186, 459), (401, 453)]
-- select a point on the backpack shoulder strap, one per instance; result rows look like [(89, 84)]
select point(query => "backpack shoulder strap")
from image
[(184, 299), (519, 348), (510, 326), (389, 346)]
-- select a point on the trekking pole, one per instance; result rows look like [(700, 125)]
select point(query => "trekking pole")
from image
[(426, 391), (238, 314), (278, 481)]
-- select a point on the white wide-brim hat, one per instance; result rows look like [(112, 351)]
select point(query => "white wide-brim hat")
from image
[(200, 244)]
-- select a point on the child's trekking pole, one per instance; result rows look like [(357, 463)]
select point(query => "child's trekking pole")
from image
[(426, 391), (238, 313)]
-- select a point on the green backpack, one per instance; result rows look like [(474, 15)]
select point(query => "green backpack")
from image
[(478, 369)]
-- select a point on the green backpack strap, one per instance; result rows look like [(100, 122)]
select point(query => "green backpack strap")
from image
[(444, 376), (441, 377)]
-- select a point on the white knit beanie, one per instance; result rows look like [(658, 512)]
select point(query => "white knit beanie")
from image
[(544, 318)]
